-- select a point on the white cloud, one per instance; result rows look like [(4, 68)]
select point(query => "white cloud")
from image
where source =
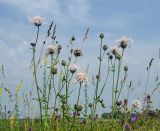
[(62, 10), (33, 6)]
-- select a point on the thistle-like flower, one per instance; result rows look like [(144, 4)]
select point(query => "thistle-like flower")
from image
[(51, 49), (123, 42), (77, 52), (82, 77), (37, 20), (115, 50), (137, 104), (73, 68), (133, 117)]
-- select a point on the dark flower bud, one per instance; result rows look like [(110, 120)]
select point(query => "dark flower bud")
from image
[(76, 107), (98, 76), (118, 56), (53, 37), (125, 68), (73, 38), (71, 50), (59, 48), (33, 44), (111, 57), (108, 53), (125, 101), (78, 114), (56, 109), (79, 108), (84, 121), (77, 52), (123, 44), (105, 47), (118, 103), (54, 70), (90, 105), (148, 96), (101, 35), (63, 63)]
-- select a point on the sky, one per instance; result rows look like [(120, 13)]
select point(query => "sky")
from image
[(115, 18)]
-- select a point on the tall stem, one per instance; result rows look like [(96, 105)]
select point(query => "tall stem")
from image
[(97, 82), (113, 66), (35, 75), (37, 87)]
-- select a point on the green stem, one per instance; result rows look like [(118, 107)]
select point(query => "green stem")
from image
[(37, 87), (97, 82)]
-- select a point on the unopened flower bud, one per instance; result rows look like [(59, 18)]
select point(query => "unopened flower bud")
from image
[(77, 52), (79, 108), (98, 76), (105, 47), (73, 38), (125, 101), (118, 56), (90, 105), (111, 57), (63, 63), (118, 103), (101, 35), (148, 96), (33, 44), (125, 68), (54, 70)]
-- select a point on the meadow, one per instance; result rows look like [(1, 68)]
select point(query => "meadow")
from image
[(53, 88)]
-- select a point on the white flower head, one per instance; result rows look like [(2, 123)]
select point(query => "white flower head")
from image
[(51, 49), (37, 20), (123, 42), (82, 77), (136, 104), (73, 68), (115, 50)]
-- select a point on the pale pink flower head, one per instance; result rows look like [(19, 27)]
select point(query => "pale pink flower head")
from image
[(37, 20), (136, 104), (73, 68), (82, 77), (51, 49), (123, 42)]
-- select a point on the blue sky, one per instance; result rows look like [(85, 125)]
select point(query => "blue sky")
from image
[(138, 19)]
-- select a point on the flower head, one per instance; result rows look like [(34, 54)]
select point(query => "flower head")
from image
[(77, 52), (115, 50), (37, 20), (73, 68), (127, 127), (133, 117), (84, 121), (51, 49), (82, 77), (137, 104), (123, 42)]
